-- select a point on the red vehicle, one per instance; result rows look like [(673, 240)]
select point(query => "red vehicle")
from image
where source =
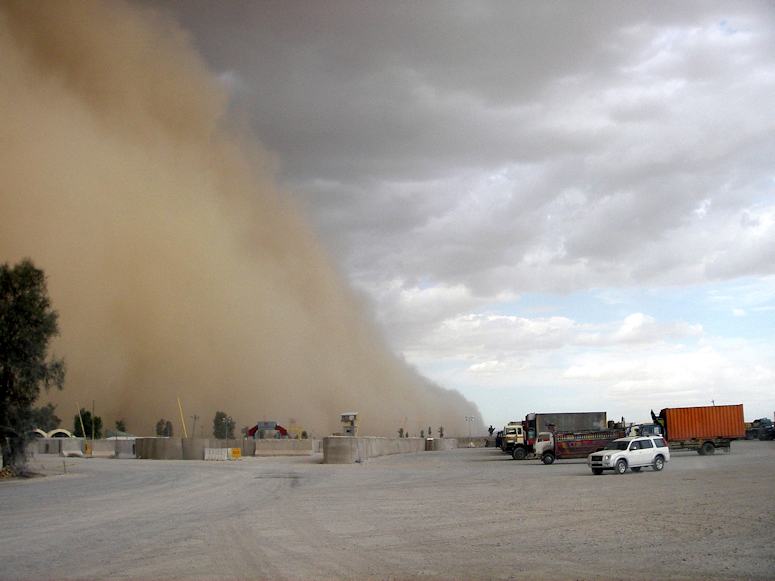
[(553, 446), (522, 443)]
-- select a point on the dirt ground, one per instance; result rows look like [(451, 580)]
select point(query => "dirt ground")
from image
[(464, 514)]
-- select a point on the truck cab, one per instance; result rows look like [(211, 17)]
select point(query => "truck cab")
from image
[(513, 437), (544, 444)]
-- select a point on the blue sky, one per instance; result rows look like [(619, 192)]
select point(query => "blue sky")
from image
[(735, 316)]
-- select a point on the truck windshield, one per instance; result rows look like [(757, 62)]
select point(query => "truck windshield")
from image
[(616, 445)]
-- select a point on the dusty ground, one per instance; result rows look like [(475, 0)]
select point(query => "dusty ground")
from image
[(465, 514)]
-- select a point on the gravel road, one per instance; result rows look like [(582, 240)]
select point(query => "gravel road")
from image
[(463, 514)]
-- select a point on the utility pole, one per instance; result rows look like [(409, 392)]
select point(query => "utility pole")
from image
[(194, 418), (92, 420)]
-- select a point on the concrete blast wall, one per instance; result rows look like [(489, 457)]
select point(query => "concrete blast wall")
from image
[(58, 445), (475, 442), (100, 448), (160, 448), (125, 449), (346, 450), (441, 444), (284, 447)]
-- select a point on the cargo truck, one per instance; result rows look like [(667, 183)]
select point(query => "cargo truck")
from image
[(534, 424), (703, 429), (553, 446), (512, 433)]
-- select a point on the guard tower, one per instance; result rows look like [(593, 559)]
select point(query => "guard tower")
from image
[(349, 423)]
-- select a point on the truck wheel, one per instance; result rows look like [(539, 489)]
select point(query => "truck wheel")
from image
[(548, 458), (659, 463), (519, 453), (635, 468), (597, 471), (707, 449), (621, 466)]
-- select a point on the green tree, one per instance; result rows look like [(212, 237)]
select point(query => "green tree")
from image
[(121, 425), (87, 425), (45, 418), (164, 428), (27, 324), (223, 426)]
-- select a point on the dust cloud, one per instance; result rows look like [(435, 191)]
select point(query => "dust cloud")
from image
[(176, 265)]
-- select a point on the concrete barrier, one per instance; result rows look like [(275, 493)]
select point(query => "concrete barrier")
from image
[(283, 447), (159, 448), (194, 448), (347, 450), (47, 446), (441, 444), (103, 448), (71, 446), (125, 449), (474, 441), (248, 447), (216, 454)]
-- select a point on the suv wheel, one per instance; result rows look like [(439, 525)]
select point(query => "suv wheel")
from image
[(659, 463), (621, 466)]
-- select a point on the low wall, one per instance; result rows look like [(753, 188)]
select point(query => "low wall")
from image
[(284, 447), (57, 446), (475, 442), (347, 450), (194, 448), (124, 448), (441, 444)]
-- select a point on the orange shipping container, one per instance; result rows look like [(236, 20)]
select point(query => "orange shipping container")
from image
[(721, 421)]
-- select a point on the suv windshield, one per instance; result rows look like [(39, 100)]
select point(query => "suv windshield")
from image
[(616, 445)]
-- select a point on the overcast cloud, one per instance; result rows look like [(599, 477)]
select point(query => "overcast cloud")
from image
[(490, 175)]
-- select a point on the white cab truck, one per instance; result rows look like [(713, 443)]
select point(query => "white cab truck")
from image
[(633, 453)]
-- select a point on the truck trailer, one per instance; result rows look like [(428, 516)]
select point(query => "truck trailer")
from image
[(703, 429)]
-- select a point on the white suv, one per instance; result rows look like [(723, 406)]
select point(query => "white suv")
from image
[(633, 453)]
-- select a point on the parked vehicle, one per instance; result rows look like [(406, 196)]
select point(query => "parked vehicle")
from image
[(512, 433), (644, 430), (524, 440), (633, 453), (704, 429), (761, 429), (564, 445)]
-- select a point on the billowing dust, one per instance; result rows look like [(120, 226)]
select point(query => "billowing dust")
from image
[(177, 267)]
